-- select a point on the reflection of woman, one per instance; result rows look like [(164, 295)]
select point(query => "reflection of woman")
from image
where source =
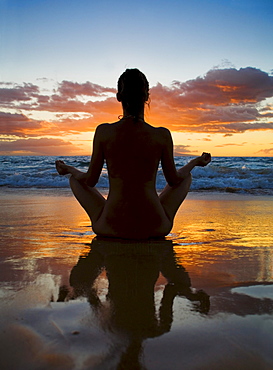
[(132, 270), (132, 150)]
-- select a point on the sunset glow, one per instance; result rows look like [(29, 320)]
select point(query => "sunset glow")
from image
[(207, 102)]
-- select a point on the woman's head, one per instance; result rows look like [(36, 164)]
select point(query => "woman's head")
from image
[(133, 91)]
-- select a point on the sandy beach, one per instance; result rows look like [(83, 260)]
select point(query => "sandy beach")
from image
[(201, 299)]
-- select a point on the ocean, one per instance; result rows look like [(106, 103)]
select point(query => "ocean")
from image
[(252, 175)]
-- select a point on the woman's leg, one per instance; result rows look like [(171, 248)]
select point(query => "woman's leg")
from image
[(89, 198), (172, 197)]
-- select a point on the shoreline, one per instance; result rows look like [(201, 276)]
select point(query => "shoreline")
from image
[(201, 194)]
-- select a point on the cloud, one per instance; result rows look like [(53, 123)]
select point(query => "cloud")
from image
[(266, 152), (73, 89), (212, 102), (224, 101), (243, 126), (230, 144), (41, 146), (18, 125), (225, 86), (17, 93), (180, 150)]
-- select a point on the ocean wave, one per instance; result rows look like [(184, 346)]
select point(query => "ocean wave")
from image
[(233, 174)]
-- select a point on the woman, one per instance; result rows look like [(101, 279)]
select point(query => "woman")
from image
[(132, 149)]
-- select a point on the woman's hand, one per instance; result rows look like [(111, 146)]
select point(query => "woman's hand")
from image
[(203, 160)]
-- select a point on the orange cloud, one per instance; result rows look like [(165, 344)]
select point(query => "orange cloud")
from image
[(230, 144), (42, 146), (266, 152), (223, 101), (18, 125), (180, 150)]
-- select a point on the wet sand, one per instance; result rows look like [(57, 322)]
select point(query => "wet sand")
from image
[(72, 301)]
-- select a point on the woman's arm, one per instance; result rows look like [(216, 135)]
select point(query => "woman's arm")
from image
[(97, 159), (90, 177), (174, 177)]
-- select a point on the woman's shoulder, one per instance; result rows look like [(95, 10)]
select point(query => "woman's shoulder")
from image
[(159, 135), (106, 126), (102, 126), (106, 131), (161, 131)]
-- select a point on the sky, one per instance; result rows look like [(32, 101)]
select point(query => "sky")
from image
[(209, 66)]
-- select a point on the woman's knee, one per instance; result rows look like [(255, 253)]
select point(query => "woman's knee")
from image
[(76, 187), (186, 182), (74, 184), (188, 179), (71, 180)]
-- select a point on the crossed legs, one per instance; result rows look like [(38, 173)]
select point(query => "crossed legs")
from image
[(93, 202)]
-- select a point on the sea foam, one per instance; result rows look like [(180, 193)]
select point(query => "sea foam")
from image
[(234, 174)]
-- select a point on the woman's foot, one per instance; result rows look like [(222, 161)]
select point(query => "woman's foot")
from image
[(61, 168)]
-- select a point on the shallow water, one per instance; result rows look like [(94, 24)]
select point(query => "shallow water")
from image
[(71, 301)]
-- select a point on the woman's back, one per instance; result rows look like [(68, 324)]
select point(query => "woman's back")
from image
[(132, 151)]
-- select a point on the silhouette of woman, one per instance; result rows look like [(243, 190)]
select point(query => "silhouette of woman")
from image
[(132, 150), (132, 269)]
